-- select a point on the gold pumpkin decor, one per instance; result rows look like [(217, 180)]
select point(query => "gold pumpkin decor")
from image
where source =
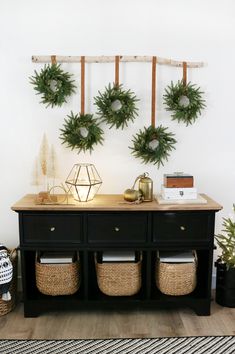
[(131, 195)]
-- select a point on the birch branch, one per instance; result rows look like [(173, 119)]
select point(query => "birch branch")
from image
[(111, 59)]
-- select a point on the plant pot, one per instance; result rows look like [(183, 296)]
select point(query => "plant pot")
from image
[(225, 285)]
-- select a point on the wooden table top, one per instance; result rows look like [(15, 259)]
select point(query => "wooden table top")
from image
[(110, 202)]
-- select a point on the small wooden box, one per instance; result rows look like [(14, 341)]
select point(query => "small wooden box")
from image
[(178, 180)]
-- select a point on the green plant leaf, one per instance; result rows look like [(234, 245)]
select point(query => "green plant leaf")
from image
[(226, 242)]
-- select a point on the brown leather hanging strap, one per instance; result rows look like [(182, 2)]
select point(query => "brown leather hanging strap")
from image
[(82, 85), (117, 60), (184, 73), (53, 59), (153, 116)]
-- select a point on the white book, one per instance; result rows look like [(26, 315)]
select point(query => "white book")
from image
[(176, 257), (179, 193), (57, 257), (160, 200), (118, 256)]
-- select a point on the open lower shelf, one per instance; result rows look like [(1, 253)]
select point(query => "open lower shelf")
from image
[(90, 291), (31, 290), (94, 291), (203, 286)]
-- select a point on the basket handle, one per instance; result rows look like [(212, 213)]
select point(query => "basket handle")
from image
[(12, 253), (37, 257), (195, 257)]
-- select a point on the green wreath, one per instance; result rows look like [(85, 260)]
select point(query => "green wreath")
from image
[(53, 84), (116, 106), (184, 101), (153, 145), (81, 132)]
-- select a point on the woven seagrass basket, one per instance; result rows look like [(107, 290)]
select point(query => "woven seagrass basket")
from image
[(8, 306), (119, 279), (176, 278), (57, 279)]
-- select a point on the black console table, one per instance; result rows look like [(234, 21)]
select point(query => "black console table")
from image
[(105, 224)]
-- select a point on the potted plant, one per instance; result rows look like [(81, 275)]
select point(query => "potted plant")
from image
[(225, 276)]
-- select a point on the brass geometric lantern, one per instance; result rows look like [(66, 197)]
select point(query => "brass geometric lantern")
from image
[(83, 182)]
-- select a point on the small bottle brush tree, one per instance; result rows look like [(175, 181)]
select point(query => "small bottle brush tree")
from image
[(45, 170), (43, 158), (36, 178), (226, 241), (52, 168)]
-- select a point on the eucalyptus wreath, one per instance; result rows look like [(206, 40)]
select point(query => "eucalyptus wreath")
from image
[(82, 132), (116, 106), (53, 84), (184, 101), (153, 145)]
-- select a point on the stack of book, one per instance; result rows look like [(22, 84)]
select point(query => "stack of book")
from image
[(176, 257), (50, 257), (179, 188), (118, 256)]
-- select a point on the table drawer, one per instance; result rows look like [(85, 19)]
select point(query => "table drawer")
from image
[(48, 228), (178, 226), (117, 228)]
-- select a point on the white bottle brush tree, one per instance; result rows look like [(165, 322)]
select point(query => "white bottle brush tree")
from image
[(37, 179), (52, 167), (43, 159), (45, 170)]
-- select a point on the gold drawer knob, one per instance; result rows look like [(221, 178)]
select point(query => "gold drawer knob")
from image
[(116, 229), (183, 228), (52, 228)]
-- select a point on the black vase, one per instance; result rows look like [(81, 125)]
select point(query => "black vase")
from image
[(225, 285)]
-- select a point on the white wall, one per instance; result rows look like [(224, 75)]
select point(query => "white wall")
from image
[(186, 30)]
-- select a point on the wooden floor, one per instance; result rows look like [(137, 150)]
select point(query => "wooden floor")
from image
[(117, 324)]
